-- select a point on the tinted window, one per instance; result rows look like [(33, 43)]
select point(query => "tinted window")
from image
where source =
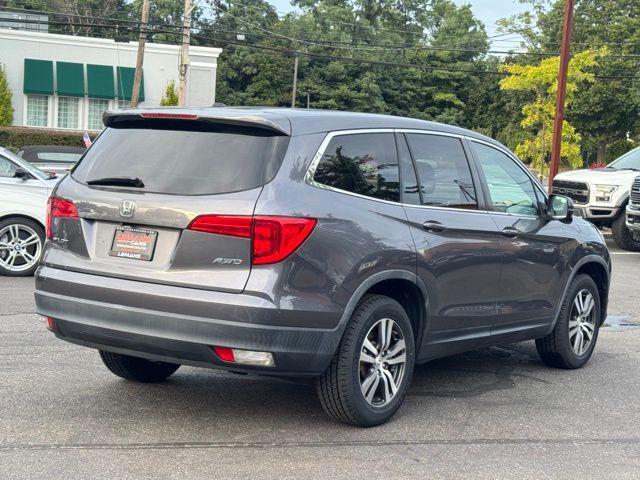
[(364, 163), (510, 188), (443, 171), (170, 158)]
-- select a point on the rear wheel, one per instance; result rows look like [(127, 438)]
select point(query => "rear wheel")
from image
[(137, 369), (574, 337), (623, 237), (368, 378), (21, 243)]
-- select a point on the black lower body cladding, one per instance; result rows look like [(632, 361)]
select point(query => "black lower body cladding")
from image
[(181, 325)]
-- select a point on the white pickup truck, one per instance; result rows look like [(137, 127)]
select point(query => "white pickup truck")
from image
[(601, 195)]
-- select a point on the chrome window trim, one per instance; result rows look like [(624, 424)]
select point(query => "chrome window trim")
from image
[(308, 178)]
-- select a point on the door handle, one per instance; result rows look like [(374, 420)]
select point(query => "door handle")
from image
[(510, 232), (433, 226)]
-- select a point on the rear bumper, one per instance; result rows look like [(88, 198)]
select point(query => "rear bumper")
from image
[(180, 325)]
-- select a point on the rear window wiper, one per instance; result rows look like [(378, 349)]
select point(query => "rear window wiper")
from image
[(118, 182)]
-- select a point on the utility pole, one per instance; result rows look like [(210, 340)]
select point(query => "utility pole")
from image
[(562, 92), (142, 40), (295, 80), (184, 53)]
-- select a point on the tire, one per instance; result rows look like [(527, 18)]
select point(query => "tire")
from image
[(137, 369), (557, 349), (21, 243), (622, 235), (339, 387)]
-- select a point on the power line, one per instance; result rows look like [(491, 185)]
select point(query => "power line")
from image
[(291, 52), (319, 43)]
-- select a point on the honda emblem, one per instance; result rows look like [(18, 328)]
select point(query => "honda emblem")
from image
[(127, 208)]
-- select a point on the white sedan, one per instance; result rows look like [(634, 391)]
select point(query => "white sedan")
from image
[(24, 191)]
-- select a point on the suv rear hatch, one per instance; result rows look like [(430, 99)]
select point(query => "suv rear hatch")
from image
[(165, 200)]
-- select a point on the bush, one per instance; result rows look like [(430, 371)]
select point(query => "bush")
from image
[(170, 98), (6, 109), (15, 138)]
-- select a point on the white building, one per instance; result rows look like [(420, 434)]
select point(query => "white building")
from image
[(63, 81)]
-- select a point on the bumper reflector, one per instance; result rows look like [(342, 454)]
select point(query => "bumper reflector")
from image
[(50, 323), (244, 357)]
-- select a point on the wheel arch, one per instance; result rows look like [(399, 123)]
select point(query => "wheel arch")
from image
[(403, 286), (598, 269), (23, 216)]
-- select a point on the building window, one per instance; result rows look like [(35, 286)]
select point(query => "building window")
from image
[(67, 112), (124, 103), (37, 110), (96, 108)]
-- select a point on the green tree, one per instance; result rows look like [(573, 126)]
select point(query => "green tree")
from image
[(407, 32), (538, 115), (605, 110), (170, 97), (6, 109)]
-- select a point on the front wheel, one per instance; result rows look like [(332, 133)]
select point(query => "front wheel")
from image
[(623, 237), (574, 337), (369, 376)]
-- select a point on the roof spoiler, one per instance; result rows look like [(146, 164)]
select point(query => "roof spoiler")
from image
[(239, 118)]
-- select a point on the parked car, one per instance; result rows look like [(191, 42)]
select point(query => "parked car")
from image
[(338, 246), (24, 191), (633, 210), (52, 159), (601, 195)]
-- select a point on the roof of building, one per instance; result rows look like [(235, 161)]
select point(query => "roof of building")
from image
[(292, 121)]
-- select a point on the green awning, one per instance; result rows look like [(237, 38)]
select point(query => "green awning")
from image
[(100, 82), (70, 79), (38, 77), (125, 83)]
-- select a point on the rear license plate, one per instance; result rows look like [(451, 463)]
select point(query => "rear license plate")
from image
[(134, 243)]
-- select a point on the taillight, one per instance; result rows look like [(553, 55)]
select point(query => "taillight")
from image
[(57, 208), (272, 238), (275, 238), (223, 225)]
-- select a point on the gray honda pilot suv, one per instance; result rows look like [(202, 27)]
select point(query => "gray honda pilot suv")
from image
[(342, 247)]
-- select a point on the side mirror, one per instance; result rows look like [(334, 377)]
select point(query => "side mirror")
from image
[(22, 174), (560, 208)]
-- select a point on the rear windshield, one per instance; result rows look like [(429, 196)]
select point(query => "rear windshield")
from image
[(58, 157), (198, 159)]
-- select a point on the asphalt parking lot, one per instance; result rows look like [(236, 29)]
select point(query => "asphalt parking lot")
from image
[(492, 413)]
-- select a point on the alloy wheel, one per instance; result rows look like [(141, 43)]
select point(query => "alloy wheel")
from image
[(20, 247), (582, 323), (383, 359)]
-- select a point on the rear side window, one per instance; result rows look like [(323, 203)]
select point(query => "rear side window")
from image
[(194, 159), (443, 171), (365, 163)]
